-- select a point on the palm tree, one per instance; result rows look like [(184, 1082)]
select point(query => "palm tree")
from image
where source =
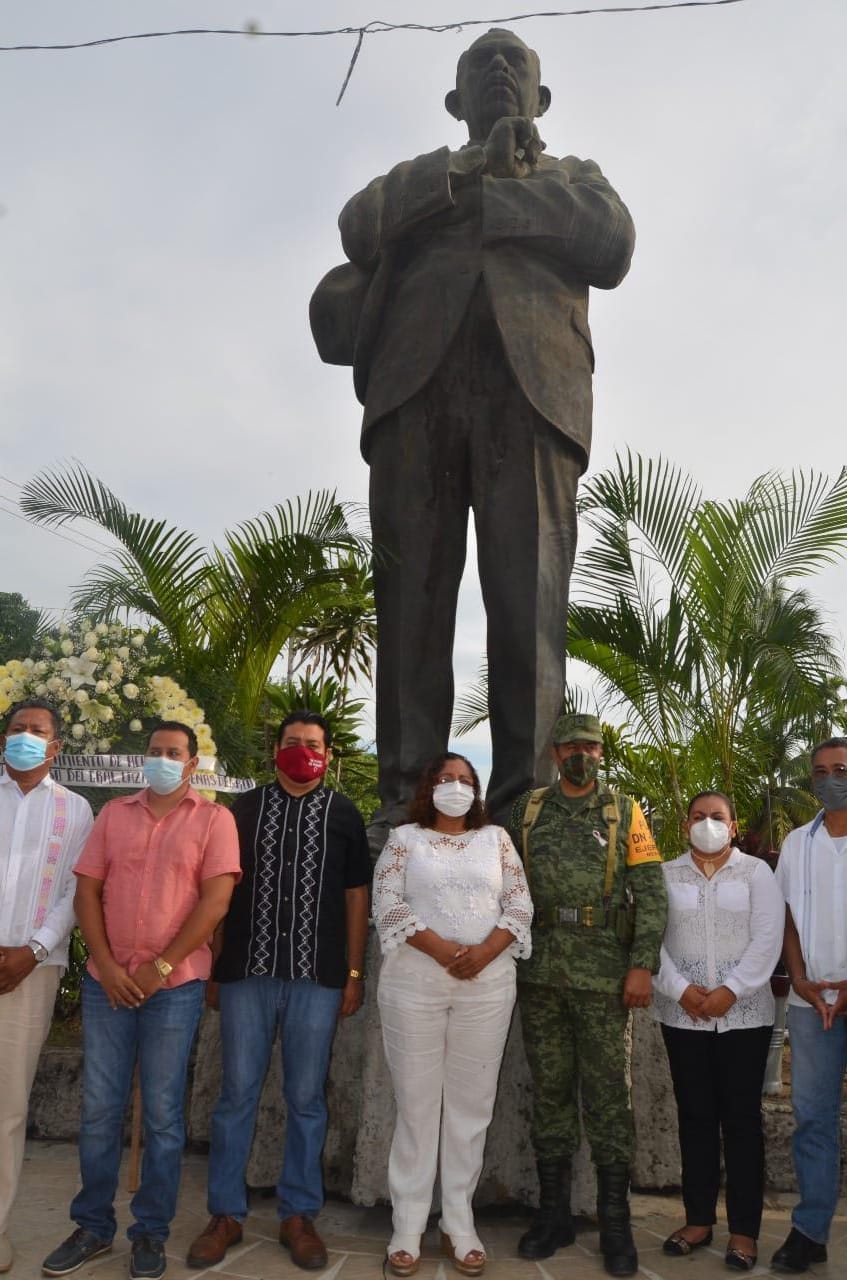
[(226, 612), (690, 614), (784, 800), (342, 639)]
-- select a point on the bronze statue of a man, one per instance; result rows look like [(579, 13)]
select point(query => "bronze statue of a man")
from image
[(464, 312)]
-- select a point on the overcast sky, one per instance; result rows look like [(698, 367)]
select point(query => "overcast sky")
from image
[(168, 207)]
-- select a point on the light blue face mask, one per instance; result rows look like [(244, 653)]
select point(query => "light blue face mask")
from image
[(162, 775), (24, 751)]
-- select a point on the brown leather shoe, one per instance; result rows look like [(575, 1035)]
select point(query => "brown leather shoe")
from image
[(307, 1249), (213, 1241)]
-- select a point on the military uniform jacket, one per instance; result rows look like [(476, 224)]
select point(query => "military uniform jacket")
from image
[(566, 868)]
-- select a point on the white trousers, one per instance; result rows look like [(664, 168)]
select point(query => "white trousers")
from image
[(444, 1039), (25, 1016)]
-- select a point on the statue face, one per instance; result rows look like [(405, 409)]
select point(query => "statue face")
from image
[(497, 76)]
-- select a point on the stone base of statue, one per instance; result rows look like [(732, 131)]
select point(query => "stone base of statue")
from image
[(361, 1107)]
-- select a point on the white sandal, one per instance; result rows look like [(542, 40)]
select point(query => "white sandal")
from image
[(403, 1255), (466, 1253)]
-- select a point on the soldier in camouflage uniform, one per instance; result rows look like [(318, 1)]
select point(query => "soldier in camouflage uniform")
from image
[(595, 876)]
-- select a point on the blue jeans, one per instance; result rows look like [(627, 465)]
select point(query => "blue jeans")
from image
[(160, 1034), (251, 1011), (818, 1062)]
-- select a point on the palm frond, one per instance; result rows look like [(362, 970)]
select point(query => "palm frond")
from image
[(645, 497), (471, 707), (799, 524), (170, 561)]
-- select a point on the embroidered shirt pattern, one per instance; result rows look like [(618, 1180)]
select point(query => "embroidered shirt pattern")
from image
[(308, 882), (267, 872)]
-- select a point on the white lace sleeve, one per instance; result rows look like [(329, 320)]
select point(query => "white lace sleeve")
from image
[(394, 919), (669, 981), (515, 902)]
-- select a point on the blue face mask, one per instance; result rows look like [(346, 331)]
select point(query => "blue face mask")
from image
[(24, 751), (162, 775)]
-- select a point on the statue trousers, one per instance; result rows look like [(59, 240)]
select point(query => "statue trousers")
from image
[(470, 440)]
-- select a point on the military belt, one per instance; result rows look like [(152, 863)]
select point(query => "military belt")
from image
[(586, 917), (590, 917)]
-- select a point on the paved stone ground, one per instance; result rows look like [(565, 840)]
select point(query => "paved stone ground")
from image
[(356, 1237)]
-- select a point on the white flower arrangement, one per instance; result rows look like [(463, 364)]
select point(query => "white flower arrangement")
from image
[(105, 682)]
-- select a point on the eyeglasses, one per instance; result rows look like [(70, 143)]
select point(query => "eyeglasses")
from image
[(440, 781), (837, 771)]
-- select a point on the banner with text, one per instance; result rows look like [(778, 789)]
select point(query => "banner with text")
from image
[(125, 771)]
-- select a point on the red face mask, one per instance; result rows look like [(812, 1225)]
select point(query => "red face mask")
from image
[(300, 764)]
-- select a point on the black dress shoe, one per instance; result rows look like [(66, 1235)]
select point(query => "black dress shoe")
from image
[(797, 1252), (738, 1260), (676, 1245)]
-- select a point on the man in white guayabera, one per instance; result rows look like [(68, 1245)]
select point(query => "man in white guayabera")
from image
[(812, 874), (42, 830)]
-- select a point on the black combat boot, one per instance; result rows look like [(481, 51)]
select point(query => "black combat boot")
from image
[(616, 1243), (552, 1227)]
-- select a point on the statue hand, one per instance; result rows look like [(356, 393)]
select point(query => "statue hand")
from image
[(534, 147), (512, 135)]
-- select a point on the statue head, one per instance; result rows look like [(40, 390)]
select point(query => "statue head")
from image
[(497, 76)]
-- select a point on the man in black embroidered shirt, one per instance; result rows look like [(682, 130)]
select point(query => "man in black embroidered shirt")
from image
[(292, 956)]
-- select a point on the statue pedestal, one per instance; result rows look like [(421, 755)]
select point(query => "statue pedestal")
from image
[(361, 1110)]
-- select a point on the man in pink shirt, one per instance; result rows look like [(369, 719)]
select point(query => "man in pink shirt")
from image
[(155, 878)]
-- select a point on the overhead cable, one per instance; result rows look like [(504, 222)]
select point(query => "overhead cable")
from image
[(85, 546), (376, 27), (98, 542)]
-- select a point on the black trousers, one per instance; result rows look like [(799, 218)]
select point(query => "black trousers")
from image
[(470, 440), (717, 1081)]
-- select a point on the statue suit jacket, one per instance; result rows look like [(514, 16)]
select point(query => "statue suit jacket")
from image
[(418, 249)]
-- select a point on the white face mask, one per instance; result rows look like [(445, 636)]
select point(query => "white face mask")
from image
[(453, 799), (709, 835)]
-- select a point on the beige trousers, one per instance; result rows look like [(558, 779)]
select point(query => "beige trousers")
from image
[(25, 1016)]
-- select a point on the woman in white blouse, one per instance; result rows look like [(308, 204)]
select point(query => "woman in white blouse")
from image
[(713, 998), (451, 904)]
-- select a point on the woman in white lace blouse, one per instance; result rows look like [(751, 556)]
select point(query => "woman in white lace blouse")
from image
[(712, 995), (451, 904)]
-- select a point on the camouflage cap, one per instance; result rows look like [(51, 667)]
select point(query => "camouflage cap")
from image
[(577, 728)]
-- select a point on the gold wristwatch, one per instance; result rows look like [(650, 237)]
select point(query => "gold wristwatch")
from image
[(163, 969), (355, 973)]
